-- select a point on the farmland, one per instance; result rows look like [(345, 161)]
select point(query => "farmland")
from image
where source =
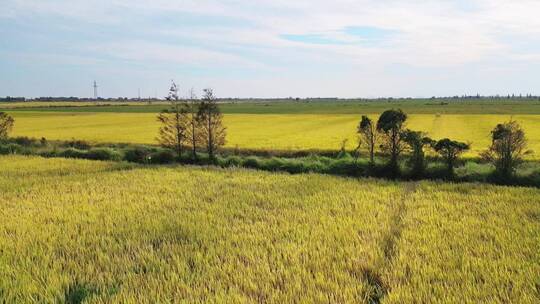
[(76, 230), (264, 131), (344, 106), (270, 152)]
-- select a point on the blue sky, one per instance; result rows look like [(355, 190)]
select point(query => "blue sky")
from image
[(279, 48)]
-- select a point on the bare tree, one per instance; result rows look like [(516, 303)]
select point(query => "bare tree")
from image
[(212, 131), (193, 123), (368, 136), (6, 125), (508, 146), (174, 122)]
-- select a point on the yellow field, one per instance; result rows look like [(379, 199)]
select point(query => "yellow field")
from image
[(75, 230), (265, 131)]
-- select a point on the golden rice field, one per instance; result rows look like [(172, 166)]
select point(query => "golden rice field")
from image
[(100, 232), (265, 131)]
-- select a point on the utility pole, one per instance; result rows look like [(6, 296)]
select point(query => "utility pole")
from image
[(95, 90)]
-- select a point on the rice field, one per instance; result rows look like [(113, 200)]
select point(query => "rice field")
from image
[(266, 131), (100, 232)]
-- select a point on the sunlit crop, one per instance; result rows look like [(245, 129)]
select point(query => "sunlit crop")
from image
[(76, 230), (266, 131)]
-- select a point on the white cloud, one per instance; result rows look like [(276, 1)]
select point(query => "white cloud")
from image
[(429, 33), (144, 52)]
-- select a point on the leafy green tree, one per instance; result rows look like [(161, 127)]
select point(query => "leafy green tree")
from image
[(212, 131), (6, 125), (368, 136), (390, 125), (450, 150), (416, 142), (508, 146), (174, 122)]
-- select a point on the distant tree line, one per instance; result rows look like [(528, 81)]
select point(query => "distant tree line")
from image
[(12, 99), (287, 99)]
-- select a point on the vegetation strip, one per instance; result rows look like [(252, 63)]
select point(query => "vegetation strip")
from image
[(191, 126), (507, 105)]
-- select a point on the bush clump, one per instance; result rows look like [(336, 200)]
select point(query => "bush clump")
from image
[(72, 153), (103, 154), (24, 141), (78, 144), (139, 154), (230, 161), (162, 157), (252, 162), (12, 149)]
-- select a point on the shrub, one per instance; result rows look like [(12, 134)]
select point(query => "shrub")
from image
[(24, 141), (344, 154), (139, 154), (315, 166), (78, 144), (103, 154), (344, 167), (162, 157), (273, 164), (51, 153), (231, 161), (294, 166), (12, 149), (72, 153), (473, 171), (252, 162)]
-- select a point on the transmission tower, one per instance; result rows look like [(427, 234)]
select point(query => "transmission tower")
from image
[(95, 90)]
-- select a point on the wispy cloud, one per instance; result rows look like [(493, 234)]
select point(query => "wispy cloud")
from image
[(329, 46)]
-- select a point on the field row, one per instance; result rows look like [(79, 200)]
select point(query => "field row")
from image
[(112, 232), (412, 106), (277, 132)]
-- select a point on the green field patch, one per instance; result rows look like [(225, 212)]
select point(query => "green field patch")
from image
[(411, 106)]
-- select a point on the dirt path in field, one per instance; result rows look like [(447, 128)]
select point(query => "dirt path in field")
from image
[(379, 288)]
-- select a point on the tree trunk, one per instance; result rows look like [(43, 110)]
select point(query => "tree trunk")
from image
[(371, 149), (210, 135), (193, 135)]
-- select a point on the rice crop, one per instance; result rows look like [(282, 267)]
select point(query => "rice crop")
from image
[(106, 232), (267, 131)]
